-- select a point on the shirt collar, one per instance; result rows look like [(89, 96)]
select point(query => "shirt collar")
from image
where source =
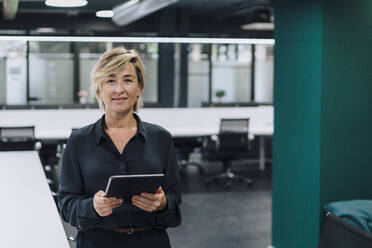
[(141, 128), (100, 125)]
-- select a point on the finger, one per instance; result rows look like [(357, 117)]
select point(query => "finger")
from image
[(149, 196), (106, 209), (115, 204), (108, 201), (146, 203), (160, 190), (143, 206), (113, 200), (100, 193), (154, 197), (145, 200), (106, 213), (110, 205), (99, 196), (102, 201)]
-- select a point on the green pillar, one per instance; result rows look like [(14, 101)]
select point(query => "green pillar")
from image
[(323, 113)]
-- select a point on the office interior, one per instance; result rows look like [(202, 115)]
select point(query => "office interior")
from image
[(298, 70)]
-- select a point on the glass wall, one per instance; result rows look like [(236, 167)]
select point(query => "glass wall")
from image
[(227, 69), (216, 75), (51, 71)]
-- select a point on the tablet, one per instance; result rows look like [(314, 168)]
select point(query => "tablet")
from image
[(125, 186)]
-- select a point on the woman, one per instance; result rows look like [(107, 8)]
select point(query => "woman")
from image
[(119, 143)]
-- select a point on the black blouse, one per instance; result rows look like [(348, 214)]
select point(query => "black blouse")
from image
[(90, 158)]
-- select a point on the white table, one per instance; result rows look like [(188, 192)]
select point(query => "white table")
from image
[(180, 122), (29, 216)]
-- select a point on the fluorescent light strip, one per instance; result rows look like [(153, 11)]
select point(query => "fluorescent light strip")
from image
[(105, 13), (66, 3), (140, 39)]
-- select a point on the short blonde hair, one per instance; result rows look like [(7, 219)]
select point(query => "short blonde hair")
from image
[(113, 61)]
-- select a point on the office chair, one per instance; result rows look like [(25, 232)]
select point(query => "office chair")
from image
[(17, 138), (338, 233), (232, 143), (54, 177)]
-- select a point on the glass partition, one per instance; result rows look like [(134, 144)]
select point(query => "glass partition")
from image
[(231, 73), (53, 73)]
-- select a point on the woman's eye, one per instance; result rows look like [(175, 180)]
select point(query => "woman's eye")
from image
[(110, 81), (128, 81)]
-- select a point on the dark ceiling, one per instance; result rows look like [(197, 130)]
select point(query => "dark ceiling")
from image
[(198, 18)]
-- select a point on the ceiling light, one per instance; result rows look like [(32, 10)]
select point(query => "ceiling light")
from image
[(66, 3), (105, 13), (45, 30), (267, 26)]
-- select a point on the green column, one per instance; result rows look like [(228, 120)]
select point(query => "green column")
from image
[(323, 113)]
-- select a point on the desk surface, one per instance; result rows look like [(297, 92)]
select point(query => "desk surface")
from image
[(57, 124), (29, 215)]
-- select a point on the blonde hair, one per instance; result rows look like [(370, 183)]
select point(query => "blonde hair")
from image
[(113, 61)]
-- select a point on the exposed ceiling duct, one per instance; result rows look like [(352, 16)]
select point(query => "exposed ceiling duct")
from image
[(10, 9), (133, 10)]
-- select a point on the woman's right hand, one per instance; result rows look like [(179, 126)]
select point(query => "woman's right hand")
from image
[(104, 205)]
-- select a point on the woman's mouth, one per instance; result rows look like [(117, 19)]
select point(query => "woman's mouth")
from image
[(120, 99)]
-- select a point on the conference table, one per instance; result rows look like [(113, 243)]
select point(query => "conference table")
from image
[(29, 216), (180, 122)]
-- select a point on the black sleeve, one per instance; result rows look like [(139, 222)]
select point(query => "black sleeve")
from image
[(76, 207), (171, 215)]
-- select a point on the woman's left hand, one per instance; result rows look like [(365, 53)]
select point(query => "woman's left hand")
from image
[(151, 202)]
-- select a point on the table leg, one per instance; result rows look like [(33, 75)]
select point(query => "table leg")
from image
[(262, 152)]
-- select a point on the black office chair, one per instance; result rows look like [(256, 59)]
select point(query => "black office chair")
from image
[(54, 177), (338, 233), (17, 138), (232, 143)]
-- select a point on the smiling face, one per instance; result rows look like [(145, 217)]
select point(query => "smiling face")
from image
[(120, 90)]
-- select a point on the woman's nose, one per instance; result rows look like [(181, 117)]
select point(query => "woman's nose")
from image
[(119, 87)]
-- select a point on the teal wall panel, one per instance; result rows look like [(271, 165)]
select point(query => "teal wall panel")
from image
[(346, 160), (296, 142), (323, 113)]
